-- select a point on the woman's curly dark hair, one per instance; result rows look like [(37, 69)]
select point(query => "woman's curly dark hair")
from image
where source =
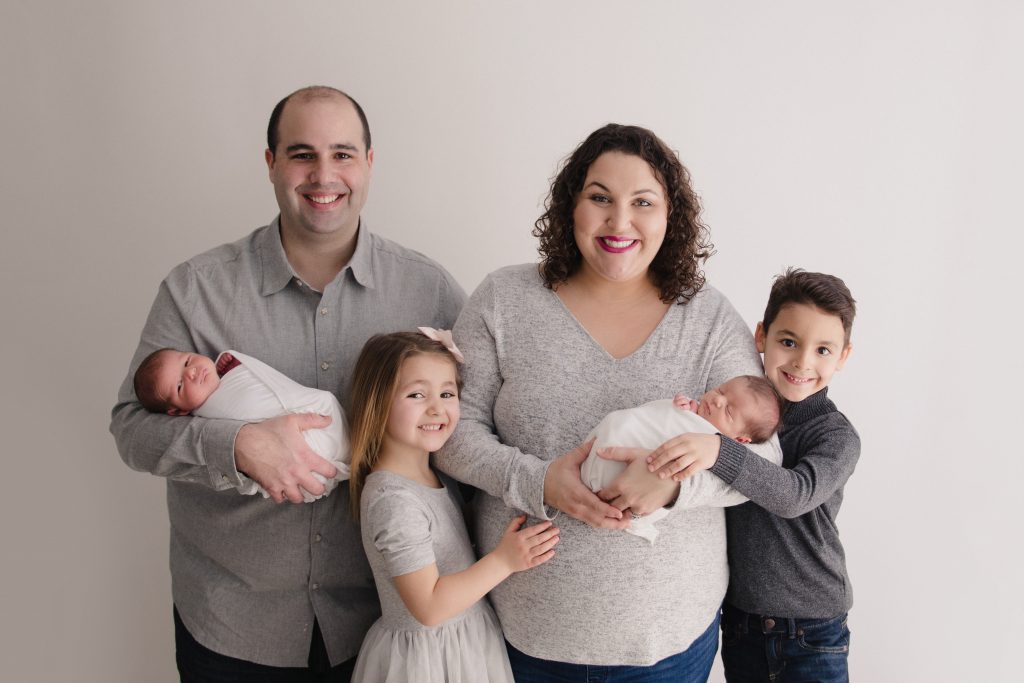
[(675, 270)]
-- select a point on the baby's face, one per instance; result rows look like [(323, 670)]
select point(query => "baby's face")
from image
[(731, 408), (185, 381)]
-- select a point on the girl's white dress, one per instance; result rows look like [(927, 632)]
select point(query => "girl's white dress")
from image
[(407, 526)]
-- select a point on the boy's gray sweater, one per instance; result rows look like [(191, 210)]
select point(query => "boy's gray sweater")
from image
[(785, 558)]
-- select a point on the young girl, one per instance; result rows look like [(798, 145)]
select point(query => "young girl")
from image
[(435, 624)]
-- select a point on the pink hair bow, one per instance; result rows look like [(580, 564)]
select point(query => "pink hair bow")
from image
[(446, 339)]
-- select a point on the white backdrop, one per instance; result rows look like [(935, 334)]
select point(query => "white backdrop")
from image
[(880, 141)]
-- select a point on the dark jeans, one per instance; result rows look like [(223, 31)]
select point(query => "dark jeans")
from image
[(760, 648), (692, 665), (198, 664)]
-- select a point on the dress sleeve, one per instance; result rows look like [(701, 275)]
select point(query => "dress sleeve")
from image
[(790, 492), (192, 449), (400, 528), (474, 455)]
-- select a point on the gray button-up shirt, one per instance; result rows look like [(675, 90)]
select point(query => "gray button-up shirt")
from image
[(249, 576)]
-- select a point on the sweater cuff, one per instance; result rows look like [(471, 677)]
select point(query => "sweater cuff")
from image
[(730, 460), (547, 513), (217, 442)]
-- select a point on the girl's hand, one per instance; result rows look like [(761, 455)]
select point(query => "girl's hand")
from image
[(521, 549), (684, 456), (684, 402)]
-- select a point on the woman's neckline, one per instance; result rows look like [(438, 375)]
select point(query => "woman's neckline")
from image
[(587, 332)]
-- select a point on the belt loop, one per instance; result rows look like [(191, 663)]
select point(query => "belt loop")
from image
[(791, 628)]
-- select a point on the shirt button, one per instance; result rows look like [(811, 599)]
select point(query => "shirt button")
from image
[(315, 586), (318, 538), (323, 311), (224, 477), (325, 365)]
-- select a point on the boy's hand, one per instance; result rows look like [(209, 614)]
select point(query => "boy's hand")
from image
[(521, 549), (684, 402), (684, 456), (276, 456)]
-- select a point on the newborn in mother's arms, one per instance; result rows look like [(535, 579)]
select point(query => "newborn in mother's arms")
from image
[(747, 409)]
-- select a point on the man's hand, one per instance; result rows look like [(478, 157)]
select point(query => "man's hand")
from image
[(636, 489), (684, 455), (276, 456), (563, 489)]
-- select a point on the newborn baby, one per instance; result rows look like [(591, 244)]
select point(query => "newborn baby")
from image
[(238, 387), (746, 409)]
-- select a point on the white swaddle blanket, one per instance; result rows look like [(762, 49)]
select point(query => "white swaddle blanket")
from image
[(254, 391), (648, 426)]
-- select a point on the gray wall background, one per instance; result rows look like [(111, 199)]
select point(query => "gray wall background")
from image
[(880, 141)]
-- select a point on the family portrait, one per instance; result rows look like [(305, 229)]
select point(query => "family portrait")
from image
[(513, 343)]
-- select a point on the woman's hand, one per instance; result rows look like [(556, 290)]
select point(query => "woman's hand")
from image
[(637, 489), (684, 456), (564, 490)]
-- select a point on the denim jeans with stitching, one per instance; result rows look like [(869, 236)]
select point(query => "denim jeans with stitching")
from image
[(782, 650)]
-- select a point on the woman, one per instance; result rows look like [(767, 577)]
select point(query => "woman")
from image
[(616, 315)]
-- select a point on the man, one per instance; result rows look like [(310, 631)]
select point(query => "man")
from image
[(264, 591)]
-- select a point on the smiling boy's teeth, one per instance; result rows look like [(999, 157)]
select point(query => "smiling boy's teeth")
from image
[(324, 199), (617, 244)]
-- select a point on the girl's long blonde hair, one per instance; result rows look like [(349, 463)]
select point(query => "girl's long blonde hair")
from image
[(374, 383)]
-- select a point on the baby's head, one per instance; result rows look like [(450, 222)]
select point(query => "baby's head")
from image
[(746, 409), (175, 382)]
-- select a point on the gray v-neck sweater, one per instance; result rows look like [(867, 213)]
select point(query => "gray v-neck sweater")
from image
[(535, 384), (785, 557)]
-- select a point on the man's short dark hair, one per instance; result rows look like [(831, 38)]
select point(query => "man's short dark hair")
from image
[(310, 92), (827, 292)]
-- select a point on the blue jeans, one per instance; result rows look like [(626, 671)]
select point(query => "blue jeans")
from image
[(760, 648), (692, 665)]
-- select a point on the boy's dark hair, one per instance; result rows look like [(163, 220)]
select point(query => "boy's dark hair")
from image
[(827, 292), (768, 422), (145, 382)]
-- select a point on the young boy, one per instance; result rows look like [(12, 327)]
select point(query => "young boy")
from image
[(745, 408), (784, 617), (239, 387)]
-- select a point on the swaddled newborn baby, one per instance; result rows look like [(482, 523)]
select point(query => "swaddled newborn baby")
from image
[(239, 387), (746, 409)]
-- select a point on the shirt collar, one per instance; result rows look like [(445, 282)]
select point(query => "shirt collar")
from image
[(277, 272), (361, 263), (813, 406)]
